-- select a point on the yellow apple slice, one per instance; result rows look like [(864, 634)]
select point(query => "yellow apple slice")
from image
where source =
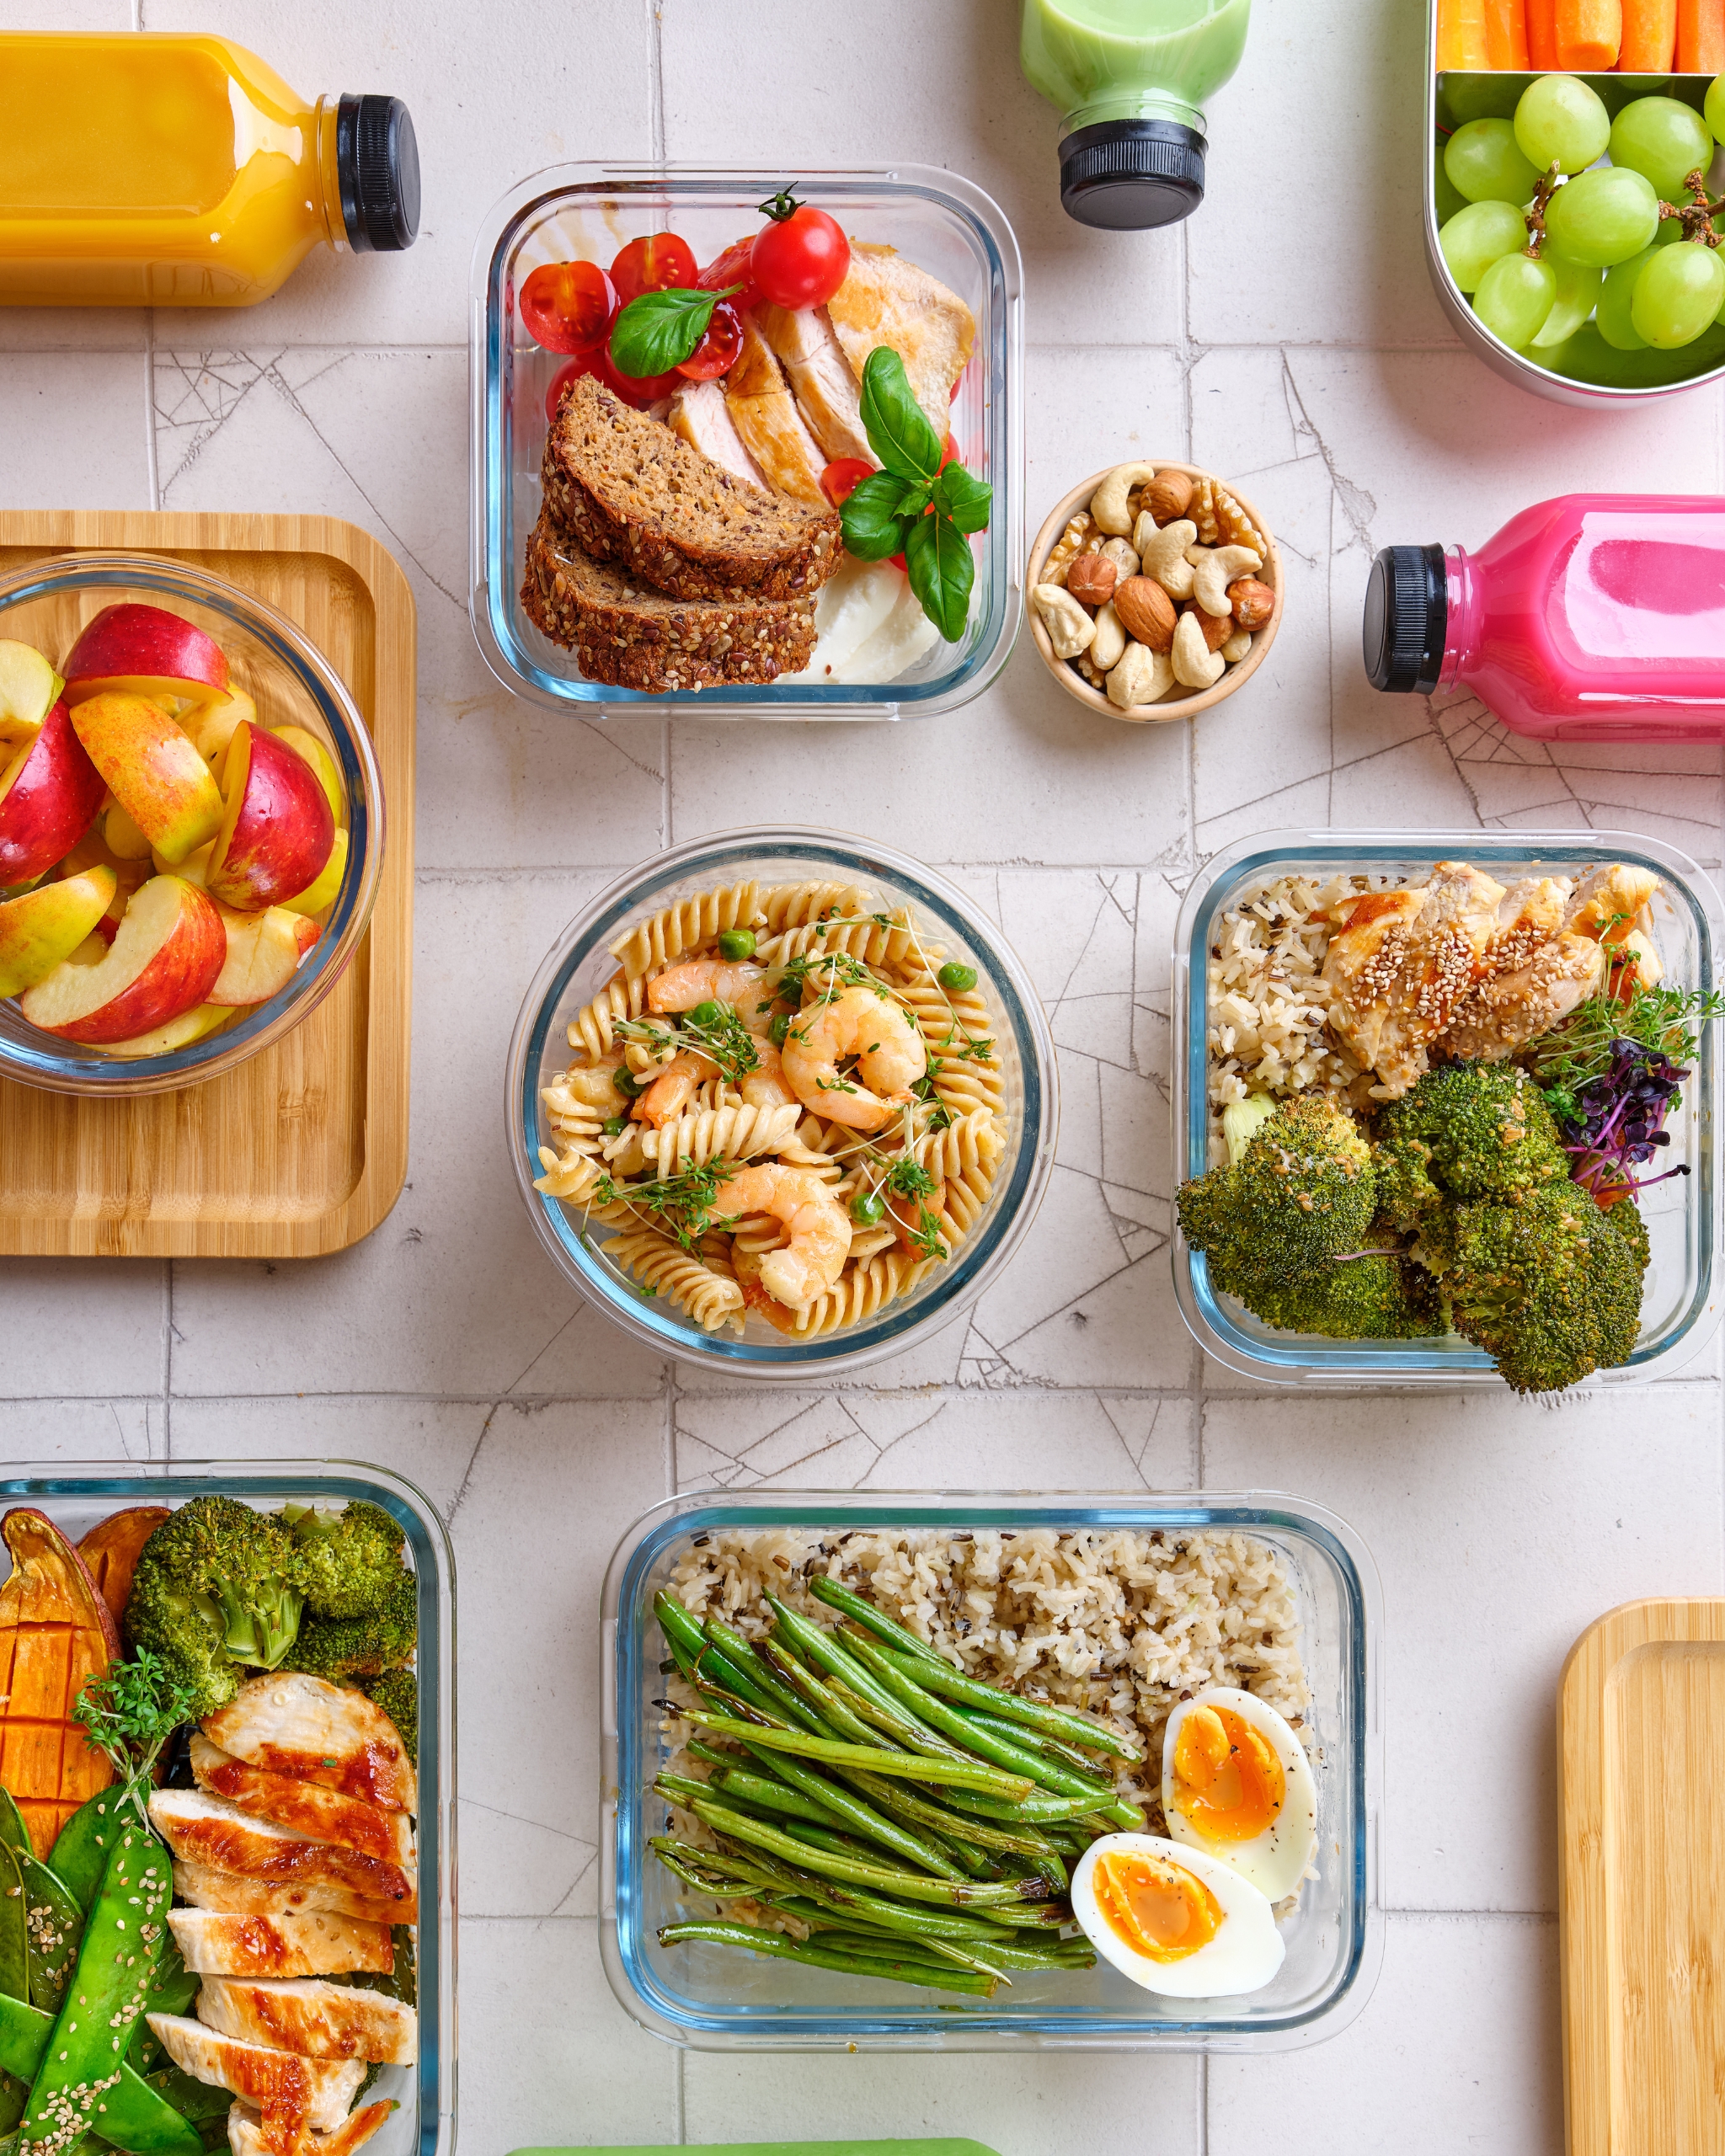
[(263, 954), (151, 768), (164, 962), (320, 758), (178, 1032), (318, 898), (42, 929), (124, 837), (211, 725), (29, 687)]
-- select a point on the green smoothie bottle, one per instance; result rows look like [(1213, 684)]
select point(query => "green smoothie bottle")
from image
[(1130, 79)]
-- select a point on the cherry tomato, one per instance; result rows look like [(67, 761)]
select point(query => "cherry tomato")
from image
[(842, 476), (639, 390), (717, 351), (732, 268), (658, 263), (568, 305), (801, 259)]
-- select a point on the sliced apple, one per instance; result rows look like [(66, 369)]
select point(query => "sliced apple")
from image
[(152, 768), (212, 727), (195, 868), (320, 896), (42, 929), (92, 851), (178, 1032), (124, 836), (147, 652), (263, 954), (28, 690), (164, 961), (320, 758), (277, 831), (49, 797)]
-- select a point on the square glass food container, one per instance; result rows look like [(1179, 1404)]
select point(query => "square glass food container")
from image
[(937, 219), (1679, 1302), (75, 1496), (712, 1998)]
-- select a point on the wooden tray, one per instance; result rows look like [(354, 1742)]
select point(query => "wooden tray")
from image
[(1641, 1770), (303, 1148)]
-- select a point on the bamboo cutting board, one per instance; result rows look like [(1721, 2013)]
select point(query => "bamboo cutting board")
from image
[(303, 1148), (1641, 1761)]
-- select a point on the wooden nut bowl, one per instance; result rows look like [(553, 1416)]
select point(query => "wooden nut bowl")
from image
[(1178, 703)]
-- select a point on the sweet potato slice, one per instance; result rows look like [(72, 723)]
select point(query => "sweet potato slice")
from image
[(55, 1631), (112, 1548)]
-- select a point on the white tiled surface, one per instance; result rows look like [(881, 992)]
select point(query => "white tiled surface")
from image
[(1288, 337)]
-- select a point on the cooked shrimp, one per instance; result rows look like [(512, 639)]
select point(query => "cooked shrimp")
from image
[(862, 1027), (670, 1092), (765, 1086), (818, 1228), (715, 980)]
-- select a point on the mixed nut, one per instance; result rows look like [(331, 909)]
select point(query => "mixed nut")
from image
[(1153, 591)]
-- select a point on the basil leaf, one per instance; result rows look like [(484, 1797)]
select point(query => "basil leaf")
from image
[(897, 426), (938, 556), (913, 500), (658, 331), (965, 499), (869, 518)]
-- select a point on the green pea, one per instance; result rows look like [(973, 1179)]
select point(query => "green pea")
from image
[(956, 976), (866, 1207), (625, 1081), (708, 1013), (780, 1027), (615, 1125), (737, 944)]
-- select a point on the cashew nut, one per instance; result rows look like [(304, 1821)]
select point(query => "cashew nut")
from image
[(1212, 576), (1070, 628), (1164, 556), (1194, 662), (1141, 676), (1144, 530), (1107, 504), (1123, 557), (1235, 648), (1196, 554), (1110, 640)]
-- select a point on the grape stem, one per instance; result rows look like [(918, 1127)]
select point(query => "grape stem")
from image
[(1534, 217), (1695, 217)]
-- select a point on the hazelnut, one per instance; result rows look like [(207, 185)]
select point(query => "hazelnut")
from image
[(1253, 603), (1091, 580), (1217, 628), (1168, 495), (1146, 612)]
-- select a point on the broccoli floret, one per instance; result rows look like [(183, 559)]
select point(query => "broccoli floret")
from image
[(397, 1692), (1547, 1286), (216, 1589), (1625, 1216), (343, 1647), (351, 1561), (1302, 1193), (1385, 1297), (1408, 1197), (1470, 1130)]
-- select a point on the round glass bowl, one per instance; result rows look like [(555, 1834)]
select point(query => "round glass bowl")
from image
[(292, 684), (581, 964)]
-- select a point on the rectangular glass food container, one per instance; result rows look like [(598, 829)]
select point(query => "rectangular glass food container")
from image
[(712, 1998), (75, 1496), (1680, 1304), (935, 219)]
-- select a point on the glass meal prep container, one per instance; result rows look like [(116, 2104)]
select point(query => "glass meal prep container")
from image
[(937, 219), (76, 1495), (711, 1998), (1680, 1303)]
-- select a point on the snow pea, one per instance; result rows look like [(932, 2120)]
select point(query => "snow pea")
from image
[(137, 2117), (13, 1832), (81, 1848), (172, 1989), (54, 1923)]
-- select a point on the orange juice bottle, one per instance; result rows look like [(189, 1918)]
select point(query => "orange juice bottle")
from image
[(157, 170)]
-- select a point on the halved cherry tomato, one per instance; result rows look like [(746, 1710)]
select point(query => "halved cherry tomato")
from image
[(717, 352), (660, 262), (842, 475), (732, 268), (801, 259), (568, 305)]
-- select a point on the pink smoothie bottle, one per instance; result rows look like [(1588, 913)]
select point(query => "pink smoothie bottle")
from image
[(1594, 617)]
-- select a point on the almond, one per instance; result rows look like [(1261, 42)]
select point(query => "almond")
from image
[(1146, 612), (1253, 602), (1167, 496), (1090, 579)]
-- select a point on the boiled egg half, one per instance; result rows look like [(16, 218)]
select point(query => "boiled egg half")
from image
[(1237, 1785), (1174, 1920)]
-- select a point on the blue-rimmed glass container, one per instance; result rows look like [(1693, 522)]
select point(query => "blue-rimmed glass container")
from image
[(579, 964), (937, 219), (1680, 1303), (718, 1999), (76, 1497), (292, 684)]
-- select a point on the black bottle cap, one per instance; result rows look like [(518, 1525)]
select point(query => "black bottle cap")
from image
[(1406, 614), (377, 163), (1126, 175)]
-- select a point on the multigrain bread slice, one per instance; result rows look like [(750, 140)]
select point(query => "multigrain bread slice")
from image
[(635, 638), (627, 489)]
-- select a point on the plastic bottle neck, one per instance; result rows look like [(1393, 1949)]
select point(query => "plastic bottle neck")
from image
[(1140, 102), (1465, 602)]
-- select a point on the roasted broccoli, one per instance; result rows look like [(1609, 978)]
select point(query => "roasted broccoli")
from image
[(1548, 1285), (1378, 1297), (1465, 1130), (397, 1692), (342, 1647), (1302, 1193), (216, 1589), (351, 1560)]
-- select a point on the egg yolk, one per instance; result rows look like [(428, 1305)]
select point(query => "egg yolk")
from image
[(1159, 1908), (1228, 1780)]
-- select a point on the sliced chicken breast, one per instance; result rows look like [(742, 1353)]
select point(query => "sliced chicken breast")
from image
[(320, 1814), (699, 414), (885, 300), (821, 377), (317, 2090), (319, 1943), (210, 1830), (764, 415), (325, 1733), (1607, 901), (246, 2136), (316, 2020), (231, 1894)]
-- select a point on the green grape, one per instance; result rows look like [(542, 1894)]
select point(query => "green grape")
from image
[(1602, 216), (1478, 235), (1677, 295), (1514, 297), (1616, 294), (1446, 200), (1577, 289), (1561, 121), (1713, 110), (1664, 141), (1484, 163)]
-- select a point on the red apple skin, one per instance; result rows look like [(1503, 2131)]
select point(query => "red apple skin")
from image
[(153, 770), (134, 647), (52, 803), (47, 925), (177, 977), (278, 830)]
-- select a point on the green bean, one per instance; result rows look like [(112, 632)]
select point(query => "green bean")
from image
[(912, 1886), (852, 1810), (836, 1596), (710, 1753), (833, 1713), (914, 1767), (861, 1677), (764, 1792), (1044, 1745), (977, 1831), (744, 1655), (977, 1982)]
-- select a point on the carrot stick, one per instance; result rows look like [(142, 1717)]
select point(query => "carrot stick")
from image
[(1461, 35), (1649, 41), (1506, 33), (1700, 37), (1542, 34), (1588, 33)]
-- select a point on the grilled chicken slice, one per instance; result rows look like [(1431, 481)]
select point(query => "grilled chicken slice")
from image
[(246, 2135), (764, 415), (322, 1815), (319, 1943), (210, 1830), (885, 300), (826, 389), (324, 1733), (699, 414), (317, 2091), (316, 2020), (1607, 901), (231, 1894)]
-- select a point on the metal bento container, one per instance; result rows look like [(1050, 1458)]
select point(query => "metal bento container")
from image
[(938, 218), (710, 1998), (1680, 1306), (75, 1496)]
